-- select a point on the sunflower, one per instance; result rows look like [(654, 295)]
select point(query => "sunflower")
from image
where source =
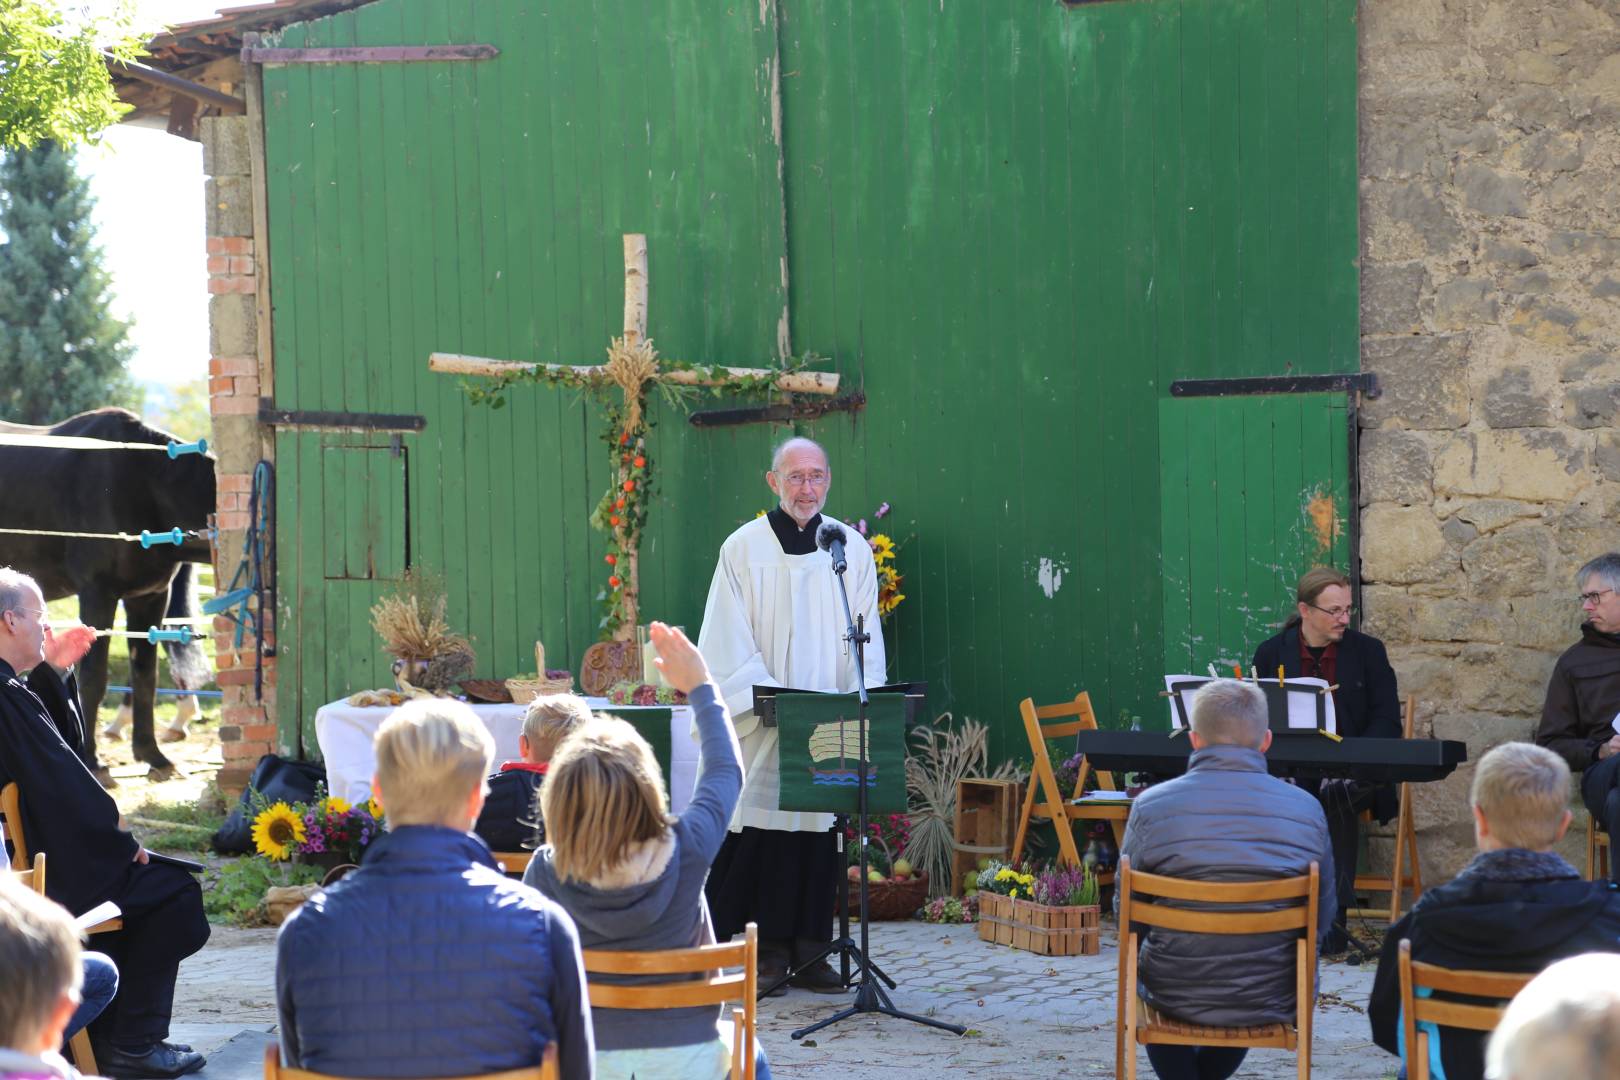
[(374, 808), (277, 831), (882, 547), (335, 807)]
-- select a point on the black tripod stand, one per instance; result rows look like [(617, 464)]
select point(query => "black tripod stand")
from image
[(870, 996)]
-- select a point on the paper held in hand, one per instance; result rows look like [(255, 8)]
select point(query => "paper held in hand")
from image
[(1296, 705), (98, 915)]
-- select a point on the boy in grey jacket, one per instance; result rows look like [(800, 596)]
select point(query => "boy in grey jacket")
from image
[(1225, 820)]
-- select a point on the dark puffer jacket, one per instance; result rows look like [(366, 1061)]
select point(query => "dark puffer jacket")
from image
[(428, 961), (1583, 697), (1227, 820), (1510, 910)]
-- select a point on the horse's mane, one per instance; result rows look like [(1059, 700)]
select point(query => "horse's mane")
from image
[(111, 422)]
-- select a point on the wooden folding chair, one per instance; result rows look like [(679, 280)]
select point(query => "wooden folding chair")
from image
[(546, 1070), (513, 862), (715, 988), (1407, 866), (84, 1058), (1043, 785), (11, 810), (1597, 850), (1140, 1024), (1498, 985)]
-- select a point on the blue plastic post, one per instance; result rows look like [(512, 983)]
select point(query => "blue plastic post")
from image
[(182, 635), (178, 448), (173, 536)]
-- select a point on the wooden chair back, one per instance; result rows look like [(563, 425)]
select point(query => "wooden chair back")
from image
[(546, 1070), (34, 876), (11, 807), (513, 862), (11, 810), (1043, 790), (1415, 976), (1597, 850), (1407, 871), (714, 988), (1137, 1024)]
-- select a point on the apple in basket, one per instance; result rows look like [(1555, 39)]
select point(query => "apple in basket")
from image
[(875, 877), (855, 874), (902, 869)]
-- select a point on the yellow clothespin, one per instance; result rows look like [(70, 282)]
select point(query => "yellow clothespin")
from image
[(1280, 675)]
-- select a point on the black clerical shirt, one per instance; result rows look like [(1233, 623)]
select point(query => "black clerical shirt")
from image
[(794, 540), (66, 812)]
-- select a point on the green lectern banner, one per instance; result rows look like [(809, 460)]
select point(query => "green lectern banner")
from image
[(652, 722), (819, 754)]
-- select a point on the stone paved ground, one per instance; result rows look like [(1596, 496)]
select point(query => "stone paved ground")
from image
[(1027, 1015)]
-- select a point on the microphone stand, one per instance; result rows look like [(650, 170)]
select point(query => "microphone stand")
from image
[(870, 996)]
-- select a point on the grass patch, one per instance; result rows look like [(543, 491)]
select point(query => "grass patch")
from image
[(233, 892), (178, 827)]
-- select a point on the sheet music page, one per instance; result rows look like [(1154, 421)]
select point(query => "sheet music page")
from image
[(98, 914), (1301, 704)]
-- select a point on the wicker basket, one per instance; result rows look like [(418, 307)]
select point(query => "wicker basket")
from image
[(894, 899), (524, 691)]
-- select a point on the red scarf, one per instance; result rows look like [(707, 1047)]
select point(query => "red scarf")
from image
[(525, 766)]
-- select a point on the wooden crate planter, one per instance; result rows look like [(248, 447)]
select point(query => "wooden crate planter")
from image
[(986, 824), (1038, 928)]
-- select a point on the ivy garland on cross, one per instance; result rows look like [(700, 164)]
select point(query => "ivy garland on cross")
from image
[(634, 368)]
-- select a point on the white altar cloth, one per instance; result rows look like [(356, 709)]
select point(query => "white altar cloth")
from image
[(345, 734)]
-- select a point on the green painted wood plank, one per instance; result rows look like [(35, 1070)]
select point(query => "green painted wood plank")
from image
[(1199, 151), (1169, 195), (1177, 532), (1260, 112), (1341, 281), (1222, 195), (1256, 610), (1311, 139), (1283, 121)]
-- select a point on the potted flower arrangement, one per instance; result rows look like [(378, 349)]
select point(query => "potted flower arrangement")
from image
[(1051, 911), (327, 831)]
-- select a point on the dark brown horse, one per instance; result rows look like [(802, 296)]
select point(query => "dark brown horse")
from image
[(59, 489)]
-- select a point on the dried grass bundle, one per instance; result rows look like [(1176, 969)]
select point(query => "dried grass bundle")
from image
[(942, 756), (412, 625)]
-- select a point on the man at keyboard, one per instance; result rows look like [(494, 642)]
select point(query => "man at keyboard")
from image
[(1317, 641)]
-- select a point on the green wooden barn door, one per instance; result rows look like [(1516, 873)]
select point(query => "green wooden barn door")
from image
[(1254, 491)]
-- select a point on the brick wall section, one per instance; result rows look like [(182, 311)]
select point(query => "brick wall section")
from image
[(248, 721), (1490, 468)]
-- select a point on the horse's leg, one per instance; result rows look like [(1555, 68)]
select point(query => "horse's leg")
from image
[(185, 711), (97, 609), (143, 669), (115, 727)]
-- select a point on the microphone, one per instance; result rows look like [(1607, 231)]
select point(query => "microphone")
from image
[(830, 538)]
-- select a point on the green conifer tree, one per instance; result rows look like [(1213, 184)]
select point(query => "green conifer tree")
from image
[(61, 349)]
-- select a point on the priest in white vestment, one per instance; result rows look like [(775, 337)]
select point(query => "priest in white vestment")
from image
[(774, 618)]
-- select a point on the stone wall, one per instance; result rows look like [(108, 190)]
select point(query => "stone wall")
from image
[(1490, 467), (248, 721)]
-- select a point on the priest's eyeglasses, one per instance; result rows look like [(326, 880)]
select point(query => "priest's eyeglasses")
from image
[(1335, 612), (1593, 598), (809, 479)]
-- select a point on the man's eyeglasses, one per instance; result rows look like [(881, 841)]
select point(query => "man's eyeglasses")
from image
[(1335, 612), (1593, 598), (799, 479)]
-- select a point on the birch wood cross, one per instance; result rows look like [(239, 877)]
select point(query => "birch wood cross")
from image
[(633, 367)]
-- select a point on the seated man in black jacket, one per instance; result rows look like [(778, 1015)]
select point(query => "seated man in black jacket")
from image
[(1516, 907), (69, 816), (511, 817), (1578, 719), (1317, 642)]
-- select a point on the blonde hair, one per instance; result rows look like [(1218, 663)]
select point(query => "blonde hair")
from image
[(1565, 1024), (39, 953), (1230, 712), (1523, 791), (550, 719), (431, 756), (603, 793)]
